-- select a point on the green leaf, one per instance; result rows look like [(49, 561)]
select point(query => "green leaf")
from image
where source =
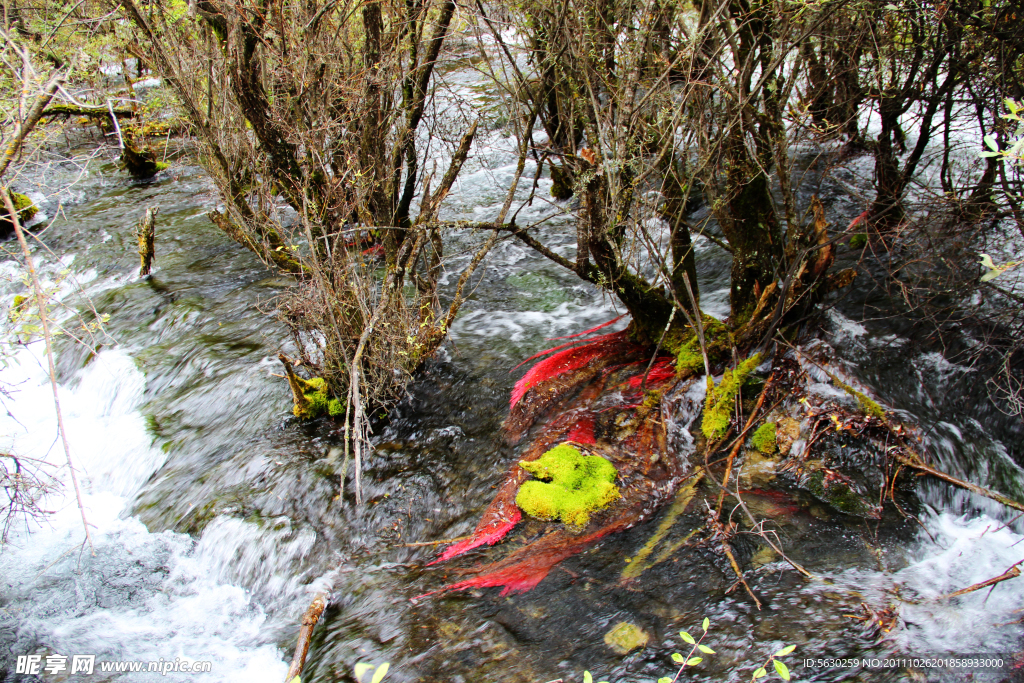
[(990, 142), (380, 673), (760, 673), (296, 680), (781, 668), (361, 668), (694, 661), (677, 658), (687, 638), (707, 622), (587, 678), (891, 7), (665, 679), (1011, 105), (986, 155), (785, 651), (705, 649)]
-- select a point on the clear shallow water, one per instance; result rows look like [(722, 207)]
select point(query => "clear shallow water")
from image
[(217, 516)]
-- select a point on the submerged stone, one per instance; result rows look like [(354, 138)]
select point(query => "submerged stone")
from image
[(840, 493), (569, 486), (626, 637)]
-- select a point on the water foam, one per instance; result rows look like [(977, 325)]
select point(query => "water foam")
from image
[(139, 596)]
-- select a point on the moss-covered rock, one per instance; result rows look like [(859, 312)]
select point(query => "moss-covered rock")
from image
[(764, 438), (26, 211), (569, 486)]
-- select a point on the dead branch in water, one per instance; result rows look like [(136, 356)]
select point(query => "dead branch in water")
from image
[(913, 460), (309, 620), (146, 236), (1011, 573)]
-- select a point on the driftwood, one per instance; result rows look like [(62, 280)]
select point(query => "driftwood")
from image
[(146, 235), (309, 620)]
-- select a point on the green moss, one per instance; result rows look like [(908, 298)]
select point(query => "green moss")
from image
[(561, 183), (719, 401), (25, 208), (764, 438), (318, 401), (574, 486), (689, 356), (858, 241), (335, 407), (869, 406), (686, 347)]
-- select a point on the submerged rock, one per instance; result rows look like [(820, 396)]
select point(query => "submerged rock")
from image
[(626, 637), (840, 492)]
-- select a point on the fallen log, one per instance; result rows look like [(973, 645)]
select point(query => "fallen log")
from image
[(98, 111)]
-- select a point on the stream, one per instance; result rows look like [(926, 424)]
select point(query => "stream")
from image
[(216, 516)]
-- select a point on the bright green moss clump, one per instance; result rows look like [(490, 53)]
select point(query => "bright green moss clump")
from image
[(764, 438), (317, 402), (574, 486), (719, 402), (689, 356), (315, 392), (335, 407)]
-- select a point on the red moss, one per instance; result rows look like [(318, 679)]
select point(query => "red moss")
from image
[(590, 331), (489, 534), (524, 569), (563, 362), (662, 370), (582, 431)]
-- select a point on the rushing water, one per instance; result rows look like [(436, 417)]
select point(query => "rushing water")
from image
[(216, 516)]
